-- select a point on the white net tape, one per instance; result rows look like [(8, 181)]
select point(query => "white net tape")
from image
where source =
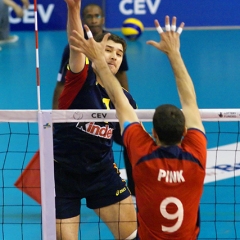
[(220, 201), (144, 115)]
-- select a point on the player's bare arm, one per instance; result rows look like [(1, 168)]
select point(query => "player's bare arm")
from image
[(77, 59), (170, 45), (16, 7)]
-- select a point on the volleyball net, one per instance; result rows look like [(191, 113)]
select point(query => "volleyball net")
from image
[(23, 132)]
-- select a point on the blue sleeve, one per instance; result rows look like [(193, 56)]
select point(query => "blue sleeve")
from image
[(125, 124)]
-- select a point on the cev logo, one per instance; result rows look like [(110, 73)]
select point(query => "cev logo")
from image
[(138, 7), (29, 14)]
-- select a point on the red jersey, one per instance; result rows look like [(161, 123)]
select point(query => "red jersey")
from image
[(168, 183)]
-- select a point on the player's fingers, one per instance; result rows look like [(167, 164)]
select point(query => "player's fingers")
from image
[(74, 41), (88, 31), (182, 25), (180, 28), (167, 24), (173, 25), (86, 27), (106, 36), (89, 34), (76, 35), (158, 27), (77, 40), (153, 43)]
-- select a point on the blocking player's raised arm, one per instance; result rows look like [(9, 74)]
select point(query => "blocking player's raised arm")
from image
[(77, 59), (186, 92), (170, 45)]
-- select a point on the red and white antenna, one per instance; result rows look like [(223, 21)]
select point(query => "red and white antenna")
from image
[(37, 56)]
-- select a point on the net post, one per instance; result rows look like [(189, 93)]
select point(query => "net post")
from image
[(45, 127)]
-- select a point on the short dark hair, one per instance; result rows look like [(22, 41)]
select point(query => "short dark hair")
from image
[(115, 38), (169, 124), (92, 5)]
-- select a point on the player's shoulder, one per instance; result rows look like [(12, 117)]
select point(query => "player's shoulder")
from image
[(196, 133), (127, 93), (130, 98)]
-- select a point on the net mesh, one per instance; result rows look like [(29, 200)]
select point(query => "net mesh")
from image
[(22, 217), (19, 213)]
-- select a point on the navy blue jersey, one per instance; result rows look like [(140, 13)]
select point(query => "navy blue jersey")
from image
[(65, 59), (85, 146)]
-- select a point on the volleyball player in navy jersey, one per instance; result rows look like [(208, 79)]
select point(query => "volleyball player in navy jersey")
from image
[(84, 164), (168, 172), (93, 16)]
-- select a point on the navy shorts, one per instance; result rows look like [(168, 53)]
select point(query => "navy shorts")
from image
[(100, 189)]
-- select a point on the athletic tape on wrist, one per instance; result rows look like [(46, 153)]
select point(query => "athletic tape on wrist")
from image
[(167, 27), (179, 30), (159, 29), (89, 34)]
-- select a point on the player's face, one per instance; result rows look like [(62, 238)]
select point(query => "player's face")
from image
[(113, 55), (92, 17)]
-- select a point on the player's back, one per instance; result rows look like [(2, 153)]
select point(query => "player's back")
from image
[(172, 207), (168, 184)]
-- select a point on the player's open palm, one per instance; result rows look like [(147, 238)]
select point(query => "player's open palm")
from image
[(92, 49), (18, 10), (169, 41), (73, 3), (25, 4)]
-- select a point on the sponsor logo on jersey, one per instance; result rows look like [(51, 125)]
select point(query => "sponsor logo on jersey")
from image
[(96, 130), (118, 192)]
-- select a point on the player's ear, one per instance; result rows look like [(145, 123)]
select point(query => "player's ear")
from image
[(103, 20), (185, 131), (154, 134)]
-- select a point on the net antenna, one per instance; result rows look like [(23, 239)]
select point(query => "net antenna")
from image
[(46, 155), (37, 55)]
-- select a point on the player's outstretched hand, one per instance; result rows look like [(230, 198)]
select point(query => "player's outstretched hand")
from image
[(73, 3), (18, 10), (169, 40), (92, 49), (25, 4)]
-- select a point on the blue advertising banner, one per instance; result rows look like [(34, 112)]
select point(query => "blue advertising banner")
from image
[(52, 14), (194, 13)]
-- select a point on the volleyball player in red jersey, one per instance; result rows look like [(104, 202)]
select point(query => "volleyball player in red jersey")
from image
[(169, 171)]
